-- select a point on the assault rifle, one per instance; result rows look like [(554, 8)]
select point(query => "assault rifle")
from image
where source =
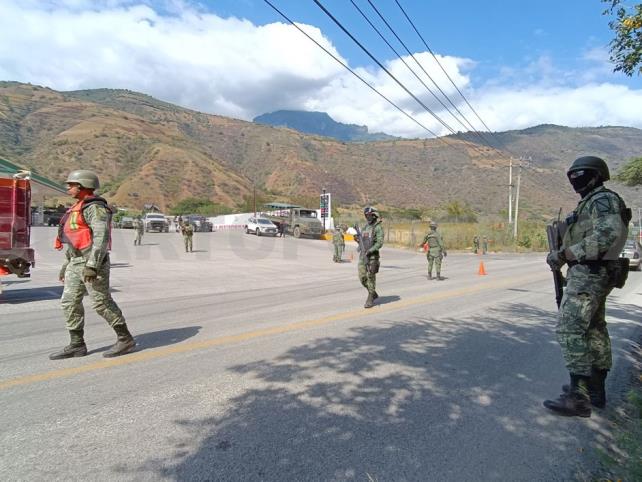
[(362, 245), (554, 242)]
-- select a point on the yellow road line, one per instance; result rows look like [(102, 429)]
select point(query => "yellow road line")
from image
[(277, 330)]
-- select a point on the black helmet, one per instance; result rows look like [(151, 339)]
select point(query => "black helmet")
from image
[(593, 163), (370, 210)]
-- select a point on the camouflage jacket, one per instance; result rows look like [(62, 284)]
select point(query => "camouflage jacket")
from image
[(98, 218), (435, 243), (337, 239), (187, 230), (372, 237), (139, 225), (596, 229)]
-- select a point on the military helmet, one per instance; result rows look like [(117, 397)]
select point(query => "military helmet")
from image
[(87, 179), (593, 163), (370, 210), (432, 224)]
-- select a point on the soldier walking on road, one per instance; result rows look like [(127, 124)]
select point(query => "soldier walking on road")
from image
[(86, 230), (594, 236), (139, 228), (188, 232), (370, 242), (485, 245), (339, 245), (436, 250), (475, 244)]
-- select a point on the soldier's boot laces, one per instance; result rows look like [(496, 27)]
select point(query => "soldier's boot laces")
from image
[(575, 402), (370, 301), (124, 343), (75, 348), (596, 386)]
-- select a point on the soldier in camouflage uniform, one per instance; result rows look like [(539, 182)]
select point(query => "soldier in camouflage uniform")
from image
[(85, 228), (594, 236), (188, 233), (339, 244), (139, 227), (436, 250), (370, 243)]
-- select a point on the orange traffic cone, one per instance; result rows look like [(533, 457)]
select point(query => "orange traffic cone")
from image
[(481, 271)]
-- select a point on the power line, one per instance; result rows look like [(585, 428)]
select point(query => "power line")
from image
[(357, 75), (325, 10)]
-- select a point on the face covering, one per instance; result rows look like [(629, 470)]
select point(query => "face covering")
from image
[(583, 181)]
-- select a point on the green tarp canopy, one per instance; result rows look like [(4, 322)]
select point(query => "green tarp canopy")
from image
[(40, 185)]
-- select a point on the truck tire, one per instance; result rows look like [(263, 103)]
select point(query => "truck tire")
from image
[(297, 232), (258, 232)]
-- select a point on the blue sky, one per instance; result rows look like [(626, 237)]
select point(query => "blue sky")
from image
[(519, 63)]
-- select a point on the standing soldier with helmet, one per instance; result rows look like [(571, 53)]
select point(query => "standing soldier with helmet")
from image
[(436, 250), (188, 233), (86, 230), (338, 243), (592, 241), (370, 241), (139, 227)]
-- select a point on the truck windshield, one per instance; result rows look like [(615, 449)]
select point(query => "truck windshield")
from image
[(306, 213), (156, 216)]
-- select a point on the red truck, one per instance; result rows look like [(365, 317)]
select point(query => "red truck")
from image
[(16, 255)]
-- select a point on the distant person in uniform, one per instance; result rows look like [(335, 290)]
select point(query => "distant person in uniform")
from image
[(188, 233), (85, 229), (485, 245), (339, 244), (436, 250), (594, 236), (475, 244), (139, 228), (370, 243)]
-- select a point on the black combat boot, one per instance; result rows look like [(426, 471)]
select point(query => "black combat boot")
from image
[(369, 301), (439, 278), (124, 343), (576, 401), (597, 391), (75, 348), (374, 295), (429, 276)]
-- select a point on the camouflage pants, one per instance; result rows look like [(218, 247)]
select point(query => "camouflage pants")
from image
[(436, 260), (581, 328), (367, 277), (188, 243), (138, 238), (338, 251), (98, 290)]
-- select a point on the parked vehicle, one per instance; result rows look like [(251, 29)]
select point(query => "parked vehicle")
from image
[(261, 227), (298, 221), (16, 257), (633, 251), (126, 222), (200, 223), (51, 218), (156, 222)]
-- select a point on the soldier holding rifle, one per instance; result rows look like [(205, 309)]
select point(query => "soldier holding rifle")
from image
[(589, 242), (370, 241)]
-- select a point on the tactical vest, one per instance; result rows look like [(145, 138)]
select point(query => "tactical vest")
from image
[(73, 228)]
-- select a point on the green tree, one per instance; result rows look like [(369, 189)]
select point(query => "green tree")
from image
[(626, 47), (631, 173)]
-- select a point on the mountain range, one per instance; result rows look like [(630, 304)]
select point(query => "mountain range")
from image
[(149, 151)]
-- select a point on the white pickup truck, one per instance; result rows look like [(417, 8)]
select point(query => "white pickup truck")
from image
[(155, 222)]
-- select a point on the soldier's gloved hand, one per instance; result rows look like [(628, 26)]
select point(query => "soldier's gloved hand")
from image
[(61, 275), (556, 259), (89, 274)]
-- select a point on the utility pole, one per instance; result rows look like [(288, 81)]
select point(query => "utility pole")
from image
[(640, 224), (510, 191), (254, 197), (519, 178)]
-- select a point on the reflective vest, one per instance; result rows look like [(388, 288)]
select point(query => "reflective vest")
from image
[(73, 228)]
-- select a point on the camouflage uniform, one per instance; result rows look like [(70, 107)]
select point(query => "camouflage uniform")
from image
[(339, 245), (188, 233), (371, 235), (592, 240), (139, 227), (436, 250), (475, 244), (595, 236)]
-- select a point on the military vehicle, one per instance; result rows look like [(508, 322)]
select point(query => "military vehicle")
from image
[(298, 221)]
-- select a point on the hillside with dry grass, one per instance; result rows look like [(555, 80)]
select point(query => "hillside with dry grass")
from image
[(149, 151)]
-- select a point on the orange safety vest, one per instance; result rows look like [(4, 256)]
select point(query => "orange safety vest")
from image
[(73, 228)]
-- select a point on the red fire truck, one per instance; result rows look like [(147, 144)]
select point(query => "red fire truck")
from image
[(16, 255)]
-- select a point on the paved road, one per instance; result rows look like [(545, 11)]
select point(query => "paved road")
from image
[(256, 361)]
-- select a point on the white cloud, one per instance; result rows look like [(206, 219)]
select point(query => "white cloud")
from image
[(231, 67)]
